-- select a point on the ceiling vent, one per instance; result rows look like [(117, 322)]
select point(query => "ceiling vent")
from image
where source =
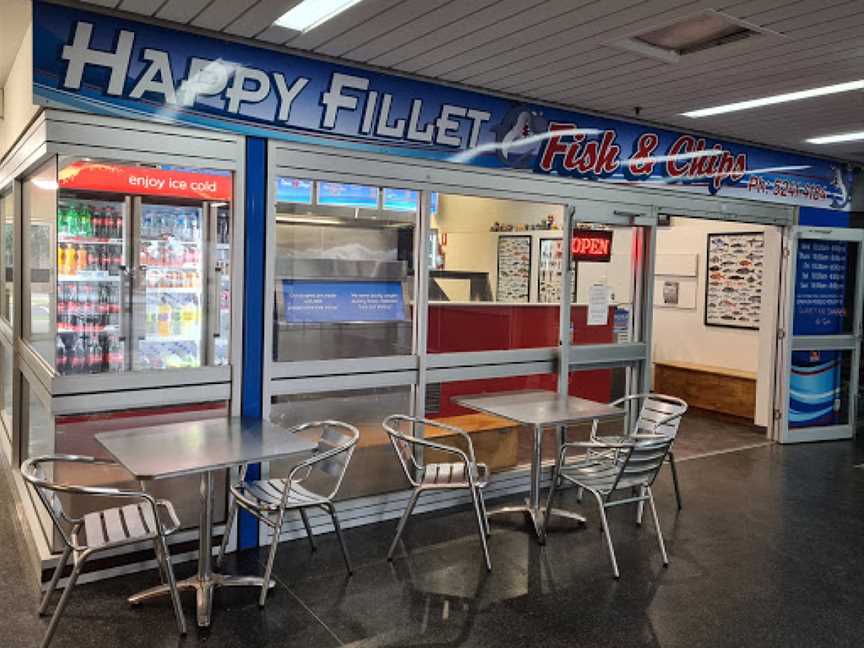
[(672, 41)]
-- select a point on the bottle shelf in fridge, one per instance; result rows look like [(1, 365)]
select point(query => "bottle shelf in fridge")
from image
[(89, 240), (172, 338), (97, 328), (89, 277)]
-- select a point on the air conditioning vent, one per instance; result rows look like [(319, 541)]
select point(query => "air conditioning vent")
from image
[(696, 33)]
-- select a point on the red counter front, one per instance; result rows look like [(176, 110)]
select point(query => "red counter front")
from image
[(457, 328)]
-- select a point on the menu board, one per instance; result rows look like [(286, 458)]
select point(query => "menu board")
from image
[(342, 301), (514, 269), (292, 190), (347, 195), (401, 200), (820, 288), (733, 287)]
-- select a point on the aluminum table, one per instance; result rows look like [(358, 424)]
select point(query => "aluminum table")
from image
[(201, 447), (538, 409)]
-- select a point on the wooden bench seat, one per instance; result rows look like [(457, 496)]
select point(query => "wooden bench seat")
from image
[(718, 389)]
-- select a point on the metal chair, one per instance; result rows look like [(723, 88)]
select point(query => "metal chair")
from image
[(136, 522), (660, 415), (269, 500), (465, 473), (630, 466)]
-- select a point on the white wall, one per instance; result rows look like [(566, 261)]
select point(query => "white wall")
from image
[(18, 108), (681, 335)]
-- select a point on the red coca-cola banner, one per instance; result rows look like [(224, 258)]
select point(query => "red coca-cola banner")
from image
[(114, 178)]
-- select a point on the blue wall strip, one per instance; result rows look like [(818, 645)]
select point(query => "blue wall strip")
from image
[(253, 308)]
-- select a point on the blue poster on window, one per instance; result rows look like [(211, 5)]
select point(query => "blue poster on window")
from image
[(401, 200), (343, 301)]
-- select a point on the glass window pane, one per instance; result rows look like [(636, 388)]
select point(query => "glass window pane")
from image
[(7, 214), (6, 388), (343, 280), (489, 282), (498, 442), (374, 467), (40, 200), (825, 287), (76, 435), (602, 311), (819, 388)]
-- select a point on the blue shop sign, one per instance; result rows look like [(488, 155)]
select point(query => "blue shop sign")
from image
[(343, 301), (125, 68)]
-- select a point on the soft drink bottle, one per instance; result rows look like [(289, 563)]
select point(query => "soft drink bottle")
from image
[(94, 356), (164, 323), (92, 258), (115, 355), (86, 221), (176, 320), (81, 258), (79, 356), (96, 222), (60, 356)]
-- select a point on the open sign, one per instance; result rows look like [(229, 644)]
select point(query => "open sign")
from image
[(591, 245)]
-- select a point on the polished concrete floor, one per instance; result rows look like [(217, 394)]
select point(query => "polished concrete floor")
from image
[(768, 551)]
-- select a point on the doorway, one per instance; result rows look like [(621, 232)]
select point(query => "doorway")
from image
[(716, 287)]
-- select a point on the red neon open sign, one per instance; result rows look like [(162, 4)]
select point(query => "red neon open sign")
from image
[(591, 245)]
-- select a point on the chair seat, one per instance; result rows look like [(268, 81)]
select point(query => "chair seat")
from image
[(599, 474), (454, 475), (266, 495), (124, 524)]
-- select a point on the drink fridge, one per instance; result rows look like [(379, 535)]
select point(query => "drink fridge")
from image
[(143, 282)]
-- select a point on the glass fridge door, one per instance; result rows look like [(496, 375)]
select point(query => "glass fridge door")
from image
[(169, 288), (220, 284), (92, 299)]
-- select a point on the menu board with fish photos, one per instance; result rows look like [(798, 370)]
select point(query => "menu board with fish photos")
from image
[(514, 269), (733, 286)]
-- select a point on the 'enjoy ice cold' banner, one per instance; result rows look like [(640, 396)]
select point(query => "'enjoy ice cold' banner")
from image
[(119, 67)]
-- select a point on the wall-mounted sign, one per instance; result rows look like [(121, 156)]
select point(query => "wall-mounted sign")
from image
[(591, 245), (146, 181), (104, 64)]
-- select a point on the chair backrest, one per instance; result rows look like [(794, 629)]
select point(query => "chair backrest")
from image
[(660, 414), (330, 459), (36, 472), (641, 463), (405, 444)]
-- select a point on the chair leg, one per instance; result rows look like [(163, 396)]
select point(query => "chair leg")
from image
[(64, 599), (640, 507), (657, 527), (342, 545), (58, 572), (271, 558), (308, 529), (226, 535), (481, 527), (401, 526), (549, 498), (608, 535), (483, 511), (164, 557), (675, 480), (579, 494)]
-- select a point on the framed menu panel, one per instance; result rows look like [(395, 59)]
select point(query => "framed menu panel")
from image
[(514, 269), (733, 281)]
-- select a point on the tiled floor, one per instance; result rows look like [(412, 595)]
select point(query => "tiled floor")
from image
[(769, 551)]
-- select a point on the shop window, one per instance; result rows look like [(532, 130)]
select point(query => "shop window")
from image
[(129, 266), (7, 253), (492, 281), (344, 270), (499, 443), (374, 468), (75, 435), (605, 295)]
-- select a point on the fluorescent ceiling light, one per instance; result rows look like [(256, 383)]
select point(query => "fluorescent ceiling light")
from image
[(776, 99), (835, 139), (311, 13)]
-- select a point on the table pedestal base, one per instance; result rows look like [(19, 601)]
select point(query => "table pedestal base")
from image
[(203, 591), (536, 516)]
